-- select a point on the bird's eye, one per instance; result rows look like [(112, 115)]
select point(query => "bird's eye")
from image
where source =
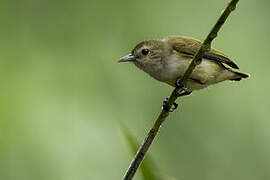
[(145, 52)]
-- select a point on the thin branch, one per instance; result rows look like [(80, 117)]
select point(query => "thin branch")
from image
[(206, 46)]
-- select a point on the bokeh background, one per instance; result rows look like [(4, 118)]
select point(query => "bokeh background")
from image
[(63, 97)]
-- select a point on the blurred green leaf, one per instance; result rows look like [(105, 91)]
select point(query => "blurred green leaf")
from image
[(148, 169)]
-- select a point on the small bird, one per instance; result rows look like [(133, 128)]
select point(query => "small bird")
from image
[(167, 59)]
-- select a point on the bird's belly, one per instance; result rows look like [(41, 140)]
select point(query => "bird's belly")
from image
[(202, 76)]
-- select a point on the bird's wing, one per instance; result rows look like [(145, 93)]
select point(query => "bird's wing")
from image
[(189, 46)]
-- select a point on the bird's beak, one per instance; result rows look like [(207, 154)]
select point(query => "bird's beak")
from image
[(127, 58)]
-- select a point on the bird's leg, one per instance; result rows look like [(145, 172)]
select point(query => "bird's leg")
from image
[(165, 107), (179, 83)]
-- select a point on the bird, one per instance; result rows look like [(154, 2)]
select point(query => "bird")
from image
[(166, 60)]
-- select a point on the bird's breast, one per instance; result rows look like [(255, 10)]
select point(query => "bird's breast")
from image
[(167, 69), (174, 67)]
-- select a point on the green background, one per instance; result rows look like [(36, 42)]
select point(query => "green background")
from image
[(63, 96)]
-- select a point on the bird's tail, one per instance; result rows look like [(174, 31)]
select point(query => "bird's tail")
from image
[(238, 76)]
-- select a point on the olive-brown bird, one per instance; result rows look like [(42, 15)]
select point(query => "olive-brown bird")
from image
[(167, 59)]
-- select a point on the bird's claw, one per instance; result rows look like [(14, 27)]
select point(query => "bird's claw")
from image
[(175, 106), (165, 106), (179, 83), (185, 93)]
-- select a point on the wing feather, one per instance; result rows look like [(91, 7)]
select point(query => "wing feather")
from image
[(189, 46)]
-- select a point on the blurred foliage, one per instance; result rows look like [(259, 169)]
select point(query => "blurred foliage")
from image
[(63, 94), (148, 169)]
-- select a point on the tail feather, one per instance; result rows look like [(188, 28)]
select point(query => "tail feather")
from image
[(239, 76)]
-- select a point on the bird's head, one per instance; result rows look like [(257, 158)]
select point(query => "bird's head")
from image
[(147, 54)]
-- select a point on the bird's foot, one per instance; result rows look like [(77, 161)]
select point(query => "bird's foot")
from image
[(179, 84), (185, 93), (165, 105)]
